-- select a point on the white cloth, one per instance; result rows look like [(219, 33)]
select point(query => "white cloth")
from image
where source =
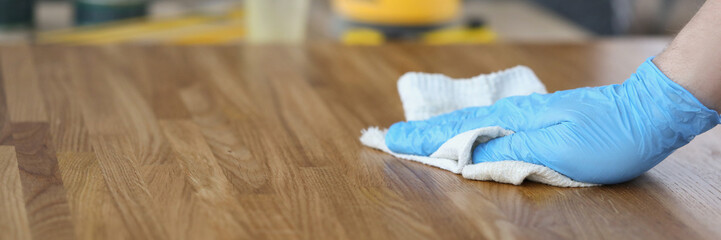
[(427, 95)]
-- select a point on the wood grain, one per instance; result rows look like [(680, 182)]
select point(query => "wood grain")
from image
[(90, 199), (43, 189), (260, 142), (24, 101), (13, 220)]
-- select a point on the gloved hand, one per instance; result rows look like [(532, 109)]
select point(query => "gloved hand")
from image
[(604, 135)]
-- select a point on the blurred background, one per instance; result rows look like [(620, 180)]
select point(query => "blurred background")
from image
[(351, 22)]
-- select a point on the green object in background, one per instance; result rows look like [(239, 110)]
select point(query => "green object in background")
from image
[(16, 14), (99, 11)]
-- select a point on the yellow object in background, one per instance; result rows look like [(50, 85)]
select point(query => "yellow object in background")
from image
[(398, 12), (217, 35), (119, 32), (454, 35), (459, 35), (186, 29), (373, 22), (363, 36)]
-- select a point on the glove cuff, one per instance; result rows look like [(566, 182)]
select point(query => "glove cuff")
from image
[(684, 111)]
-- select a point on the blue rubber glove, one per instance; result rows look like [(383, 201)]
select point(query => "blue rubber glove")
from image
[(605, 135)]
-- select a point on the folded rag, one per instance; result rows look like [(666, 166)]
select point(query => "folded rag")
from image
[(426, 95)]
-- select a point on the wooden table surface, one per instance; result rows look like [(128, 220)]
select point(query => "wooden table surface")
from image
[(151, 142)]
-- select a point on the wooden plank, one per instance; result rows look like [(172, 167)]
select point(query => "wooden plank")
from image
[(120, 128), (24, 100), (90, 200), (129, 191), (13, 220), (55, 75), (194, 155), (161, 72), (238, 144), (214, 194), (6, 135), (45, 197), (141, 101)]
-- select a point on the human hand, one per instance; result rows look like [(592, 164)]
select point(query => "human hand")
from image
[(603, 135)]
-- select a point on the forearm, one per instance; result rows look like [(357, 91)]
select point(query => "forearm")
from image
[(693, 59)]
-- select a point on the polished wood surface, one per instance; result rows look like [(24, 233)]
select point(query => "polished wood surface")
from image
[(151, 142)]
